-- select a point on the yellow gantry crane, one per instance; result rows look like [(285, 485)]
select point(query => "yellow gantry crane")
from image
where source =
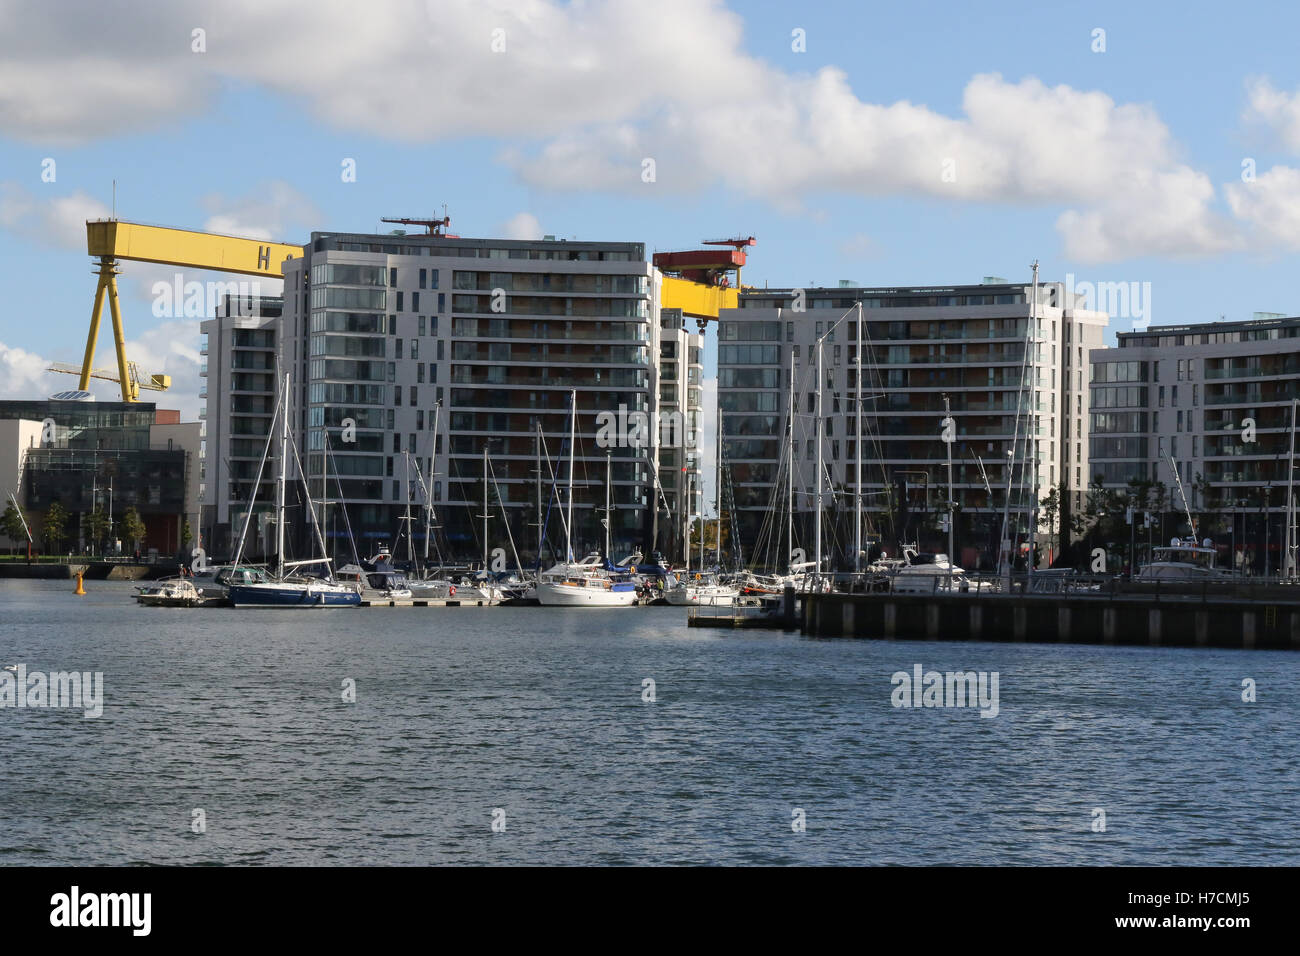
[(691, 283), (112, 241)]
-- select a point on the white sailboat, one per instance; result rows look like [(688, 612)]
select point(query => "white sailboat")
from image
[(585, 583)]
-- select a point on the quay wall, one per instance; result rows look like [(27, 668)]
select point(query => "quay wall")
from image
[(1057, 618)]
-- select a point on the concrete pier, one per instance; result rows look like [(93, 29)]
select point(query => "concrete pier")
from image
[(1168, 621)]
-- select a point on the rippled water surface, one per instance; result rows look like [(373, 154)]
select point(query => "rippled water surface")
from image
[(538, 712)]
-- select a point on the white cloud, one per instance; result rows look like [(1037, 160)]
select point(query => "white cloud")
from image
[(523, 225), (1279, 112), (858, 246), (1271, 205), (171, 349), (274, 211), (584, 93), (54, 220)]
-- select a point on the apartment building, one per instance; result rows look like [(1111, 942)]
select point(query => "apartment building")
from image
[(411, 355), (681, 372), (239, 363), (1214, 402), (967, 349)]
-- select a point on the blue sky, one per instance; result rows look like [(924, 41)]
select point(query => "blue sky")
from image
[(809, 151)]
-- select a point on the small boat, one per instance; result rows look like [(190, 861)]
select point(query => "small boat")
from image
[(379, 585), (706, 591), (168, 592)]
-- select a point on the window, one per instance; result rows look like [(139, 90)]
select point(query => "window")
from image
[(398, 354), (399, 302), (397, 394), (392, 278), (423, 273), (422, 325)]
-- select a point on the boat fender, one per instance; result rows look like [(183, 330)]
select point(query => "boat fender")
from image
[(451, 591)]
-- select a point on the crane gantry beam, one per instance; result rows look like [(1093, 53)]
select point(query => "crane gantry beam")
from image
[(112, 241)]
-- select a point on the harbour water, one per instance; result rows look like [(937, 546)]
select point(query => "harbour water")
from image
[(539, 712)]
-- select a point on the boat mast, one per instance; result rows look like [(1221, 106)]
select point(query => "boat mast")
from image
[(573, 430), (541, 543), (406, 491), (686, 520), (1031, 439), (819, 430), (609, 478), (949, 423), (789, 510), (1290, 501), (280, 485), (485, 508), (428, 492), (717, 488), (857, 426)]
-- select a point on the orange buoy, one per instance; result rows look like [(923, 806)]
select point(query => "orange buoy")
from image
[(80, 590)]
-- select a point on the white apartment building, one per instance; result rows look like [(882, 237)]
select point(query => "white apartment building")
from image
[(965, 344)]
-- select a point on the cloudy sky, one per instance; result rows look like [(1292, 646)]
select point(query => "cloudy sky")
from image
[(889, 144)]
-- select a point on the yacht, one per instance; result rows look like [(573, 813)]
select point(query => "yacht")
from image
[(584, 583), (1183, 560), (168, 592), (288, 587), (702, 591), (927, 573), (384, 584)]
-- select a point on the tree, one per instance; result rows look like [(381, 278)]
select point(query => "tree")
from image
[(132, 527), (96, 526), (11, 523), (54, 526), (187, 535)]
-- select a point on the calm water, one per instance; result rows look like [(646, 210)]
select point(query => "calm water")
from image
[(538, 712)]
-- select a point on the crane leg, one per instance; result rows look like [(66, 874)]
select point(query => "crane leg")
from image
[(105, 276), (130, 391)]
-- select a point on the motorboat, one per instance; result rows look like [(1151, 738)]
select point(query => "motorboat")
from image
[(1184, 561), (385, 585), (168, 592), (929, 573)]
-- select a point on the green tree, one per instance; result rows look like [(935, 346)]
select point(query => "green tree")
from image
[(11, 523), (187, 535), (54, 526), (132, 527), (96, 526)]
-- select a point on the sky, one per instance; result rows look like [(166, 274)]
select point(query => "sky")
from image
[(887, 144)]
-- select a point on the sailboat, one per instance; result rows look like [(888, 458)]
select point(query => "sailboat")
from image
[(707, 589), (287, 587), (586, 583)]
